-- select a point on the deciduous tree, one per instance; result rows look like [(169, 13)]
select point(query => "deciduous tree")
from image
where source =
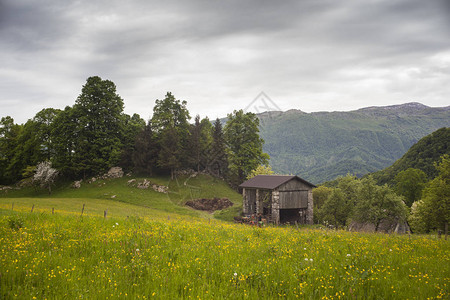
[(244, 144), (45, 175), (410, 183)]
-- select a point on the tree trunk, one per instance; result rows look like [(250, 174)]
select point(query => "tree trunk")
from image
[(446, 230)]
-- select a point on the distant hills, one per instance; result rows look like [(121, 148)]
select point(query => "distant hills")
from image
[(320, 146)]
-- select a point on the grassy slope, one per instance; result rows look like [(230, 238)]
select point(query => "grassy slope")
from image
[(122, 199)]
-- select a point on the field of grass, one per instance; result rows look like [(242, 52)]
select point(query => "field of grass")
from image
[(65, 256), (112, 193), (151, 245)]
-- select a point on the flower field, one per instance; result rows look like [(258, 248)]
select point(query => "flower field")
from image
[(45, 256)]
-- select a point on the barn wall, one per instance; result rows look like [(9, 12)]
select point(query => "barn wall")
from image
[(294, 185), (249, 206), (293, 199)]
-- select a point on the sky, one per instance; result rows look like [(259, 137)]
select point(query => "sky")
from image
[(311, 55)]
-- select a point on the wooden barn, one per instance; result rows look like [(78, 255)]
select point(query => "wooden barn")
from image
[(279, 199)]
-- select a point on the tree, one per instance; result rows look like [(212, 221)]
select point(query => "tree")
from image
[(171, 131), (34, 142), (99, 109), (244, 150), (132, 127), (9, 140), (88, 136), (45, 175), (199, 146), (145, 153), (218, 157), (378, 203), (320, 196), (336, 208), (261, 170), (433, 211), (66, 138), (409, 184)]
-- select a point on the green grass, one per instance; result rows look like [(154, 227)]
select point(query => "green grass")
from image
[(60, 256), (152, 246), (108, 194)]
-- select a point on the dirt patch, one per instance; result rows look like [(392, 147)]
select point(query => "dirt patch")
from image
[(210, 204)]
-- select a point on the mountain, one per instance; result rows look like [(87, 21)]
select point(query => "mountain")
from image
[(422, 155), (320, 146)]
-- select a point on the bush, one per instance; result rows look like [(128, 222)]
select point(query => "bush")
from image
[(15, 222)]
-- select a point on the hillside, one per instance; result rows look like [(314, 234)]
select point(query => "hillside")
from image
[(421, 155), (323, 145), (122, 198)]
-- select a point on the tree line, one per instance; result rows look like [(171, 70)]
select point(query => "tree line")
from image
[(424, 204), (94, 134)]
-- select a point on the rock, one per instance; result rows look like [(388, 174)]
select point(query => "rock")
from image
[(143, 185), (77, 184), (114, 172), (113, 196), (131, 181), (160, 188)]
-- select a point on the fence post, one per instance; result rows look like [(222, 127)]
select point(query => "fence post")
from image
[(82, 210), (12, 207), (53, 210), (104, 213), (32, 208)]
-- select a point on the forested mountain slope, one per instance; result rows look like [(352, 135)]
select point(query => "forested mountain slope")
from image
[(422, 155), (323, 145)]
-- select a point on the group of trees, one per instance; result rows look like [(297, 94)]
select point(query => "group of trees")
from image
[(424, 204), (360, 200), (95, 134)]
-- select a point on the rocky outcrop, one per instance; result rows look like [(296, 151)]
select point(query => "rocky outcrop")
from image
[(77, 184), (114, 172)]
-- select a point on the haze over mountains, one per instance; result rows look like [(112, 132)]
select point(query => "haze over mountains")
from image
[(320, 146)]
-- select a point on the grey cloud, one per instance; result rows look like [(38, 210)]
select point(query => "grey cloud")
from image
[(225, 50)]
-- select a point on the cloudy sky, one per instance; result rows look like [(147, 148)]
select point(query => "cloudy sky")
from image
[(311, 55)]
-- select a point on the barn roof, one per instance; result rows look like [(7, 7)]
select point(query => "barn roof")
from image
[(270, 181)]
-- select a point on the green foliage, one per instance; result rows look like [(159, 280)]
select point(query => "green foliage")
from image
[(99, 142), (15, 222), (433, 210), (88, 136), (360, 200), (199, 146), (335, 205), (145, 152), (218, 157), (409, 184), (260, 170), (9, 141), (171, 129), (378, 203), (244, 150), (336, 209), (422, 155), (132, 127)]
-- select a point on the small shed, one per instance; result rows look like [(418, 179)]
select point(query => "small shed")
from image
[(279, 198)]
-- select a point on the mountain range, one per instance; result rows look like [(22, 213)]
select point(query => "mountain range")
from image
[(320, 146)]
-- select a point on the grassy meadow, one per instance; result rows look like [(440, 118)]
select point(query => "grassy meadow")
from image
[(143, 250)]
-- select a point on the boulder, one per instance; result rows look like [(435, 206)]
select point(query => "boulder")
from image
[(77, 184), (114, 172)]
